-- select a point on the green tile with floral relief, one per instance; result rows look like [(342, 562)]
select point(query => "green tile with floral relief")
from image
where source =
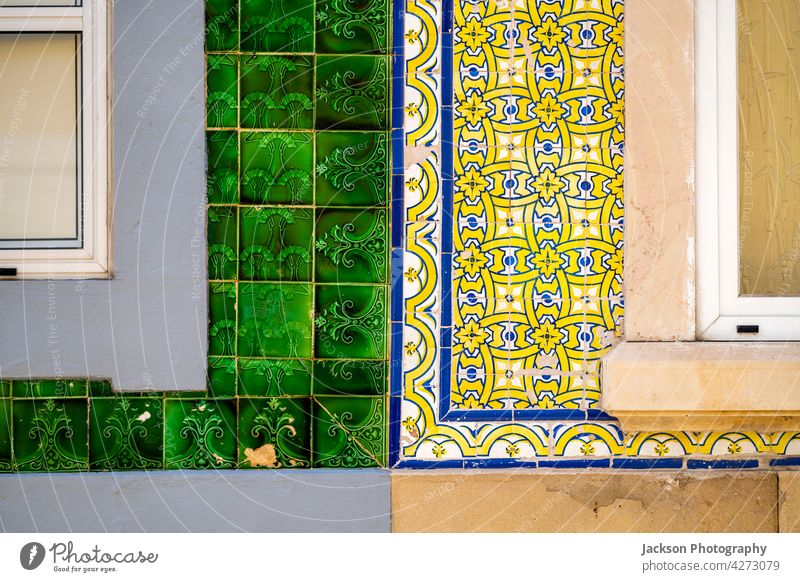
[(221, 377), (222, 243), (274, 433), (278, 26), (349, 432), (276, 243), (6, 453), (352, 168), (274, 377), (350, 322), (351, 246), (277, 92), (222, 148), (126, 433), (50, 388), (199, 434), (350, 377), (222, 100), (275, 320), (352, 92), (51, 434), (353, 26), (221, 319), (277, 167), (222, 25)]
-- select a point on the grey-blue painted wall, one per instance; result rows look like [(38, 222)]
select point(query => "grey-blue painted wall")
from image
[(146, 327), (197, 501)]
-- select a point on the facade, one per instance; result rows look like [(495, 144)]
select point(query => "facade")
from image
[(440, 277)]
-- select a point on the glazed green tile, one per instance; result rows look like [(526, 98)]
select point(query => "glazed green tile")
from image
[(278, 26), (274, 377), (126, 433), (5, 388), (275, 320), (352, 246), (51, 388), (101, 388), (352, 92), (276, 243), (187, 395), (222, 92), (223, 167), (222, 377), (222, 25), (222, 242), (277, 167), (349, 432), (350, 377), (350, 322), (277, 91), (352, 168), (274, 433), (222, 319), (353, 26), (200, 434), (51, 434), (6, 455)]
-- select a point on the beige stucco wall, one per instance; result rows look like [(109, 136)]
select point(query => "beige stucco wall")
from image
[(659, 166)]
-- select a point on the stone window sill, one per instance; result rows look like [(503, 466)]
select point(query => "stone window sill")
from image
[(701, 386)]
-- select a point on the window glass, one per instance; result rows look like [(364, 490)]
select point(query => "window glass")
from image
[(769, 147), (39, 159)]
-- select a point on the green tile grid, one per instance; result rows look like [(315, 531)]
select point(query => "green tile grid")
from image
[(298, 241)]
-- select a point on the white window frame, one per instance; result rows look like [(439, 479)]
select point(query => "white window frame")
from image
[(720, 308), (92, 259)]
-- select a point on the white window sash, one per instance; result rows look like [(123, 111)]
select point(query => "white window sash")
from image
[(92, 260)]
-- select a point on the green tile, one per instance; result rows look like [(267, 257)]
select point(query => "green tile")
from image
[(277, 167), (353, 26), (101, 388), (274, 377), (277, 91), (200, 434), (352, 168), (352, 92), (352, 246), (6, 455), (51, 435), (276, 244), (222, 377), (350, 322), (222, 98), (275, 320), (5, 388), (278, 26), (222, 242), (58, 388), (349, 432), (126, 433), (222, 26), (350, 377), (222, 319), (223, 167), (274, 433)]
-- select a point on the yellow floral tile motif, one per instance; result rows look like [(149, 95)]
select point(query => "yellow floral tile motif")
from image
[(512, 266)]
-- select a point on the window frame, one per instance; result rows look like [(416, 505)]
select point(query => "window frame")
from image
[(720, 308), (92, 259)]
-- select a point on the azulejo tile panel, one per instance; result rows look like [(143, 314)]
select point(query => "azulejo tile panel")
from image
[(511, 256)]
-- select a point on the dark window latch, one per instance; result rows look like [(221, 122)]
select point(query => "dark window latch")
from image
[(8, 271), (746, 329)]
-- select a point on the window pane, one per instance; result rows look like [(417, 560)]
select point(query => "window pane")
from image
[(769, 147), (39, 158), (40, 3)]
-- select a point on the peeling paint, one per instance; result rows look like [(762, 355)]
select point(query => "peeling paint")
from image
[(263, 456)]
